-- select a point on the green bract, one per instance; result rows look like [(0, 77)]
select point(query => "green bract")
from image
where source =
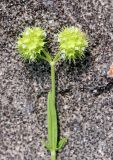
[(31, 43), (72, 43)]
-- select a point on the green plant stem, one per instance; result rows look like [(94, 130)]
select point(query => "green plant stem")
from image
[(48, 56), (44, 58), (54, 115), (57, 57), (53, 155), (53, 80)]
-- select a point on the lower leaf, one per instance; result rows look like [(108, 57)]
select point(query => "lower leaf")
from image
[(61, 143), (46, 145)]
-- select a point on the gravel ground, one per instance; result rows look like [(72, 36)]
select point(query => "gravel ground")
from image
[(85, 96)]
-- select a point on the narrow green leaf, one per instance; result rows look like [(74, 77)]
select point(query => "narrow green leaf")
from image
[(61, 143), (52, 122), (49, 118)]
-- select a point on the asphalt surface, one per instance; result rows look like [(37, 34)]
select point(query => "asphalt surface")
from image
[(84, 95)]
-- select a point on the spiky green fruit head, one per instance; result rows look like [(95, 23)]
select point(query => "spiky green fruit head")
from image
[(31, 43), (72, 43)]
